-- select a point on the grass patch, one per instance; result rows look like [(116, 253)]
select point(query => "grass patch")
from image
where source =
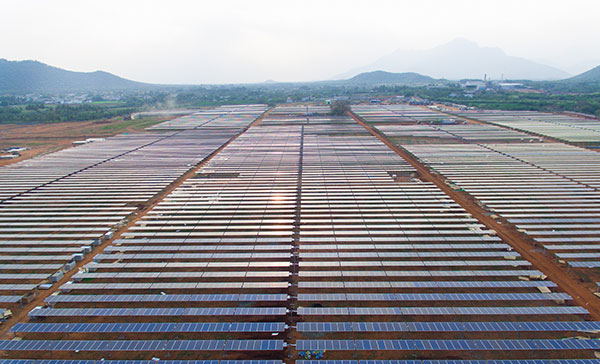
[(136, 124)]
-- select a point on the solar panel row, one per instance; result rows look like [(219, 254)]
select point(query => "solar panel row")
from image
[(167, 298), (432, 296), (141, 345), (165, 311), (539, 310), (58, 361), (451, 326), (450, 345), (170, 327)]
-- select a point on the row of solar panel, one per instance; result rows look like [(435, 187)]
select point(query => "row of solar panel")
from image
[(592, 264), (420, 273), (432, 296), (124, 275), (118, 248), (543, 310), (140, 345), (451, 238), (58, 361), (10, 299), (101, 257), (424, 284), (517, 361), (246, 264), (212, 240), (32, 267), (450, 326), (151, 327), (224, 241), (411, 263), (168, 298), (343, 255), (179, 311), (452, 345), (178, 285), (401, 246)]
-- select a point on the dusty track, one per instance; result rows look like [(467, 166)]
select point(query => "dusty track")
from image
[(21, 316), (547, 265)]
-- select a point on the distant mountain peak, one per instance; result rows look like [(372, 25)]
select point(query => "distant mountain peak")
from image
[(389, 77), (459, 59), (31, 76), (592, 75)]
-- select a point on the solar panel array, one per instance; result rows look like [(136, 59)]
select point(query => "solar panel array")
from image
[(554, 203), (567, 128), (306, 233), (407, 124), (372, 240), (210, 261), (227, 116), (548, 190), (56, 208)]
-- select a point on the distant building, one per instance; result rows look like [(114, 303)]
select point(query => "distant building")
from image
[(510, 85), (473, 85)]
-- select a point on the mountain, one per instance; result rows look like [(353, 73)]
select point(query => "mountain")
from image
[(460, 59), (389, 77), (592, 75), (33, 77)]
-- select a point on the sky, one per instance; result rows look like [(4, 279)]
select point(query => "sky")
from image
[(193, 42)]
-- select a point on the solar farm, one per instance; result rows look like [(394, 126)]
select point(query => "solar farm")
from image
[(249, 234)]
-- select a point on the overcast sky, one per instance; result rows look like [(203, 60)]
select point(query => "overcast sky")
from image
[(253, 41)]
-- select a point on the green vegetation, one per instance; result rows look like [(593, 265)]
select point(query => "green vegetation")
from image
[(588, 103), (590, 76), (100, 106), (584, 103), (339, 107), (39, 113), (389, 77)]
